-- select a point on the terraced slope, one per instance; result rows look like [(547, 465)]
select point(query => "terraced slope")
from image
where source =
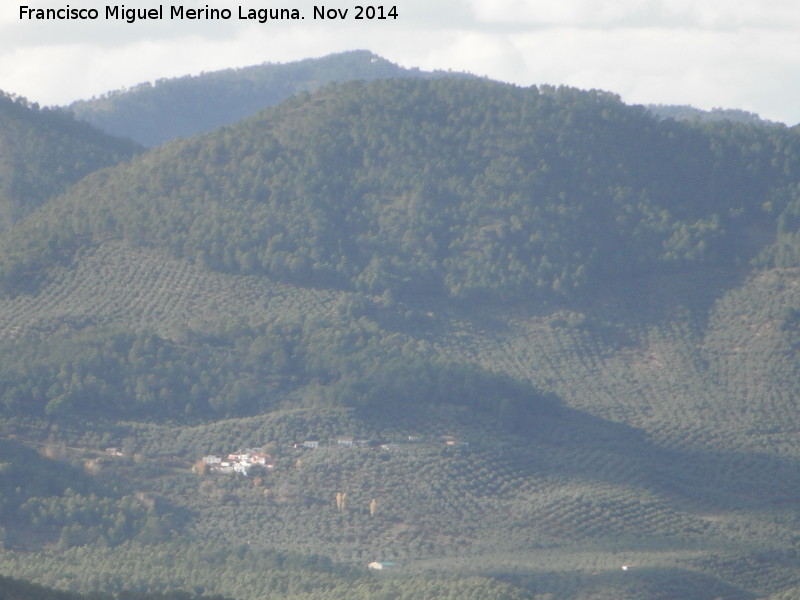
[(140, 288), (672, 450)]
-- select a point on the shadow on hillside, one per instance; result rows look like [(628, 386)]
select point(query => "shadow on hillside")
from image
[(728, 480), (648, 299), (560, 441), (700, 478), (552, 440)]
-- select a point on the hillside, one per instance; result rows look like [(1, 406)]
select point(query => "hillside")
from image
[(458, 188), (43, 151), (153, 113), (510, 339)]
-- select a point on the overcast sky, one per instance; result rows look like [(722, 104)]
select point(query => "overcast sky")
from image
[(707, 53)]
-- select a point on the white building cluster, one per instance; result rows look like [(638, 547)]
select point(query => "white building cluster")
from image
[(238, 462)]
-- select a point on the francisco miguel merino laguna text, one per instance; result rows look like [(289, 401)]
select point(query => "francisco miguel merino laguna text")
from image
[(262, 15)]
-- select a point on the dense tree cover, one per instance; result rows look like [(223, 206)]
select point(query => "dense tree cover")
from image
[(785, 252), (44, 500), (690, 113), (239, 369), (166, 573), (18, 589), (76, 520), (25, 474), (153, 113), (465, 188), (42, 151)]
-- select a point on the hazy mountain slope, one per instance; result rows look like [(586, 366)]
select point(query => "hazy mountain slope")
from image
[(44, 151), (155, 113), (462, 188)]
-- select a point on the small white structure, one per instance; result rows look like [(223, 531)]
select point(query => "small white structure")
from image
[(238, 462)]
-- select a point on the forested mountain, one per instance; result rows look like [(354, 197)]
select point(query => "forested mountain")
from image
[(43, 151), (153, 113), (449, 188), (507, 340)]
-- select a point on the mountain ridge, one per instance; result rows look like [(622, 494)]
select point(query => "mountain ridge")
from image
[(310, 200), (153, 113)]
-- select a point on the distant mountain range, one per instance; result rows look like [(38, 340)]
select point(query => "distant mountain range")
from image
[(153, 113)]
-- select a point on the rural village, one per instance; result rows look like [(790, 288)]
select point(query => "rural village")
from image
[(242, 461)]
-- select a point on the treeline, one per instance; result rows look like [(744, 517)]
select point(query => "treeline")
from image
[(42, 151), (240, 369), (458, 188)]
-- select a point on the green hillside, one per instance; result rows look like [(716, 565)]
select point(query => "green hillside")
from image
[(42, 151), (153, 113), (457, 188), (508, 339)]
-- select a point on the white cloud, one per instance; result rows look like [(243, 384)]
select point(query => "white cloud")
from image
[(702, 52), (641, 13)]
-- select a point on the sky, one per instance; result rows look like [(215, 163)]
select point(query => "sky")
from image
[(742, 54)]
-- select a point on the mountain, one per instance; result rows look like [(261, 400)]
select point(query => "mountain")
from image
[(508, 339), (153, 113), (43, 151), (446, 188)]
